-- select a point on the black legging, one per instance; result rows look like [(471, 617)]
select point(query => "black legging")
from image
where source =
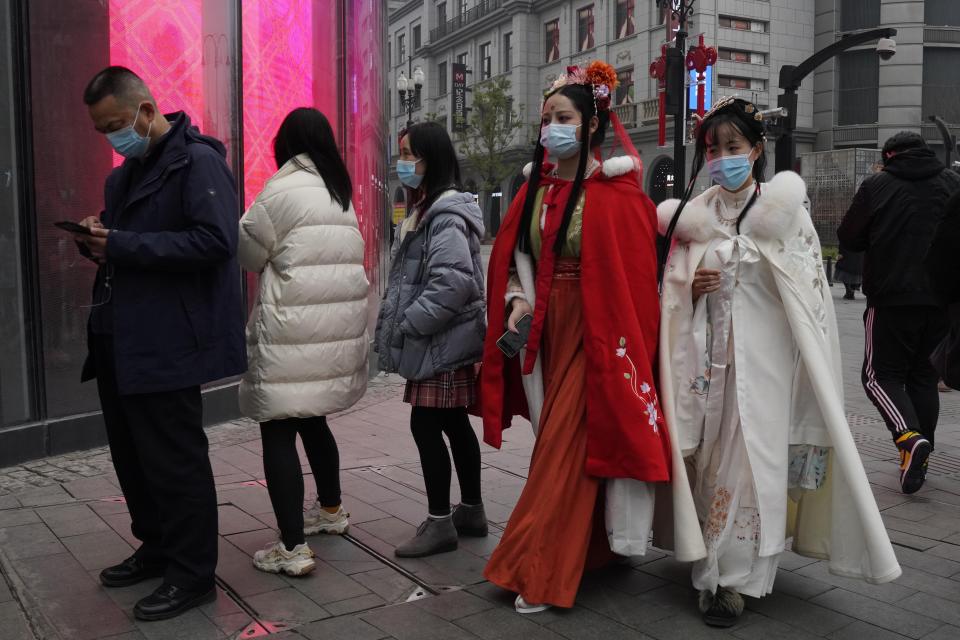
[(428, 425), (281, 466)]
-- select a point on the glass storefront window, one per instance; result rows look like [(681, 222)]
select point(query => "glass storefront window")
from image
[(16, 397)]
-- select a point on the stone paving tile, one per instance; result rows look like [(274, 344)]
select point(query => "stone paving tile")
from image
[(98, 550), (862, 631), (237, 570), (233, 520), (288, 605), (70, 599), (12, 622), (9, 502), (877, 613), (932, 606), (325, 585), (925, 562), (45, 497), (29, 540), (929, 583), (585, 624), (799, 585), (453, 605), (348, 627), (890, 592), (91, 488), (798, 613), (17, 517), (388, 584), (71, 520), (355, 605), (505, 624), (946, 632), (192, 624), (407, 622), (767, 629)]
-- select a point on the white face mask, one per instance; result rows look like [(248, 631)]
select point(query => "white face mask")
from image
[(560, 140)]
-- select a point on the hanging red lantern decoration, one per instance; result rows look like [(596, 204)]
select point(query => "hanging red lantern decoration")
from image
[(658, 70), (698, 59)]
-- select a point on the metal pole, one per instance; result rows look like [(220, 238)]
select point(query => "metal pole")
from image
[(409, 91), (948, 141), (680, 119), (790, 78)]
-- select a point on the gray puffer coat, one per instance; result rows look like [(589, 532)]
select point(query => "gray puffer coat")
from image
[(433, 315)]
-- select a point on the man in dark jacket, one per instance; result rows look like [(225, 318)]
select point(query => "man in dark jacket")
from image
[(893, 219), (166, 318)]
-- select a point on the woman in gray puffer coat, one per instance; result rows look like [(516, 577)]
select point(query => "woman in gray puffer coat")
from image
[(431, 329)]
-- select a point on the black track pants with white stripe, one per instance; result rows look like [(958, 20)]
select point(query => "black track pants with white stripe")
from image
[(897, 374)]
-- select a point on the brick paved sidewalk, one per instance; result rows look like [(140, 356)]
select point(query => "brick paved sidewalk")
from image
[(61, 521)]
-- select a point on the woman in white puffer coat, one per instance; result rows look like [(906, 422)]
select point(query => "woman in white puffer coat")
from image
[(307, 342)]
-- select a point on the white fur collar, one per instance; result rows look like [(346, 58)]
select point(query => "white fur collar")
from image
[(612, 167), (771, 217)]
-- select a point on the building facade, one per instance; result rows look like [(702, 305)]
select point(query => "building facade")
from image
[(532, 42), (860, 100), (237, 69)]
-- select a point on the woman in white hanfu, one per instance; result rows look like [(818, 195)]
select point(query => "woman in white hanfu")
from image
[(763, 458)]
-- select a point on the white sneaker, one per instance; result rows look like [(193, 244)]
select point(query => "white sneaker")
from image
[(276, 559), (318, 520), (522, 606)]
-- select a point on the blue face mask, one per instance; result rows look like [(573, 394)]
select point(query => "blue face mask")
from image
[(407, 172), (730, 172), (560, 140), (128, 142)]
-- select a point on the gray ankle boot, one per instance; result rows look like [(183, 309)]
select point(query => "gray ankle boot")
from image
[(433, 536), (470, 520)]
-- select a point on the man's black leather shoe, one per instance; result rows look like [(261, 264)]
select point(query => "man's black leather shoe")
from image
[(130, 572), (169, 601)]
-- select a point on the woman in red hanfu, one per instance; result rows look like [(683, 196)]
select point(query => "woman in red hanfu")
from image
[(577, 253)]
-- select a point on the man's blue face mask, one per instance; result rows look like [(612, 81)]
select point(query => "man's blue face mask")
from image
[(128, 142)]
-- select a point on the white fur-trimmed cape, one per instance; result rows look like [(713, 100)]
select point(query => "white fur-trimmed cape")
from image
[(611, 167), (771, 217)]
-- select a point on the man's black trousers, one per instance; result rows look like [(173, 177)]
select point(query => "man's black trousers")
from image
[(160, 454), (897, 374)]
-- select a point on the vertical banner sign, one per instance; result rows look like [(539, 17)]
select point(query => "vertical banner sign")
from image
[(458, 122)]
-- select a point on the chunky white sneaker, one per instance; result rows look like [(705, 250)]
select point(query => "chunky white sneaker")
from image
[(318, 520), (522, 606), (276, 559)]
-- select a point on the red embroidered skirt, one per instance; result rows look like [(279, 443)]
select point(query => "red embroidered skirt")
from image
[(447, 390)]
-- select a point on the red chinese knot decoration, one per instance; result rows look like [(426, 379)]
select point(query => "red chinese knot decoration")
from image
[(658, 70), (698, 59)]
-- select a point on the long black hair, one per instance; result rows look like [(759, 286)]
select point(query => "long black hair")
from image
[(306, 130), (430, 142), (581, 95), (746, 120)]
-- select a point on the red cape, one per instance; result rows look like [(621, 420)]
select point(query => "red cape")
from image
[(626, 435)]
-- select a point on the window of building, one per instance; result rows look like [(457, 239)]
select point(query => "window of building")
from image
[(486, 62), (941, 13), (551, 36), (416, 38), (941, 92), (736, 55), (858, 79), (743, 24), (463, 58), (625, 93), (401, 48), (507, 52), (442, 79), (859, 14), (626, 23), (441, 14), (461, 7), (734, 82), (585, 39)]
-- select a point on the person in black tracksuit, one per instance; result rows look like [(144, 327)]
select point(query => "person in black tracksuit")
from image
[(892, 219)]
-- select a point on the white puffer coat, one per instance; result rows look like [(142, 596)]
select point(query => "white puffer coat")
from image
[(307, 342)]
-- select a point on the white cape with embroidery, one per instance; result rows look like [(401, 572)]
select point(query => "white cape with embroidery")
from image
[(840, 521)]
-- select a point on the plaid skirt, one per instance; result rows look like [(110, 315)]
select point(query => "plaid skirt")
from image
[(447, 390)]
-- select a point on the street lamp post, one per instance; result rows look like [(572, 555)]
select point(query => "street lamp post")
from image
[(949, 141), (792, 75), (676, 87), (409, 89)]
